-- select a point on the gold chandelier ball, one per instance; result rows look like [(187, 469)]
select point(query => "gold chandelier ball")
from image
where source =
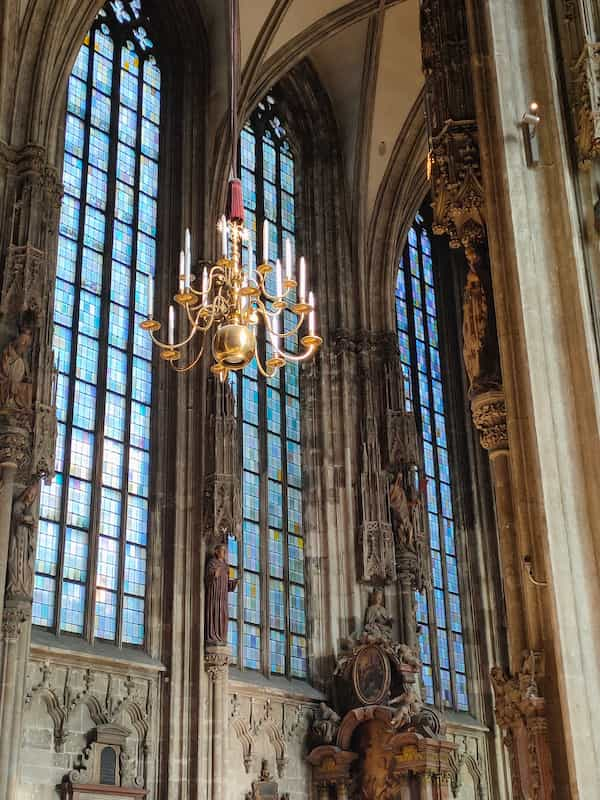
[(234, 346)]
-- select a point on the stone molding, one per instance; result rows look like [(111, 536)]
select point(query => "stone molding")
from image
[(489, 417)]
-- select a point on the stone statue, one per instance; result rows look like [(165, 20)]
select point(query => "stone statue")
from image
[(475, 314), (21, 555), (325, 724), (218, 584), (378, 623), (402, 513), (409, 706), (408, 656), (15, 382)]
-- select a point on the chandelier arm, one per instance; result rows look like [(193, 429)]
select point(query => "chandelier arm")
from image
[(192, 364), (264, 372), (267, 318)]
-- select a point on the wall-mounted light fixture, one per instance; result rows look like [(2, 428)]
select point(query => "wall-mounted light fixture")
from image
[(529, 126)]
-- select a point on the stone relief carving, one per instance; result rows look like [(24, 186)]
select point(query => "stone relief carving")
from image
[(16, 391), (265, 787), (325, 724), (21, 553), (24, 288)]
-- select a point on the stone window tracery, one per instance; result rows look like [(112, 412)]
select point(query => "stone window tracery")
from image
[(439, 612), (267, 628), (91, 555)]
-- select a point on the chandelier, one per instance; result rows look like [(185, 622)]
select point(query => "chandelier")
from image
[(228, 303)]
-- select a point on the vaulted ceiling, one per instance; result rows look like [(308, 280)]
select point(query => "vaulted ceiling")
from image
[(366, 54)]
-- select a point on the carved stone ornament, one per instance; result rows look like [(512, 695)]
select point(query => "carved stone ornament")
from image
[(520, 713), (13, 618), (24, 287), (216, 662), (21, 551), (489, 417), (16, 388), (265, 788), (585, 93)]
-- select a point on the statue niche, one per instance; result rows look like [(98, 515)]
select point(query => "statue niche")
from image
[(218, 585), (377, 734)]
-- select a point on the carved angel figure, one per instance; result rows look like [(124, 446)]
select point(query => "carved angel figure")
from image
[(378, 623), (475, 313), (408, 706), (15, 382), (325, 724)]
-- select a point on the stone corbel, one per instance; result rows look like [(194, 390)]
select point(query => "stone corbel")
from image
[(489, 417)]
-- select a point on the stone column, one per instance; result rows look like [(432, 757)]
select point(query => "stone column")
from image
[(323, 789), (7, 481), (342, 790), (216, 663), (425, 787)]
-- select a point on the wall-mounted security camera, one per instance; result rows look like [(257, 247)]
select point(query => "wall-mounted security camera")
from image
[(529, 125)]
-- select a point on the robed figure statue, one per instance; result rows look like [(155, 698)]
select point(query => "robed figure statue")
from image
[(218, 584)]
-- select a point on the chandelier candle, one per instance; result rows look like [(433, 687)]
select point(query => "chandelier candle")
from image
[(232, 301)]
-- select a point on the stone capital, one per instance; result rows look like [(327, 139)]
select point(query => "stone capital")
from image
[(216, 662), (489, 416)]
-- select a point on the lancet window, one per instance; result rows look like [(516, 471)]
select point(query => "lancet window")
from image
[(93, 536), (439, 612), (267, 628)]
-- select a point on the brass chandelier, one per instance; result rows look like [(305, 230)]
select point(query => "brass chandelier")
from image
[(228, 302), (231, 301)]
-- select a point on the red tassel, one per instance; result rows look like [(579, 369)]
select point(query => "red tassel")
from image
[(235, 201)]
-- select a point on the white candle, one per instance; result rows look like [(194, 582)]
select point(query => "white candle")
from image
[(278, 276), (275, 325), (266, 241), (171, 325), (205, 287), (312, 317), (181, 272), (288, 260), (188, 256), (224, 236), (302, 289), (150, 296)]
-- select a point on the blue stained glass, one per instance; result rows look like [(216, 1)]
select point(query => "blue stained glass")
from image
[(424, 645), (273, 410), (297, 613), (69, 217), (80, 67), (148, 176), (250, 447), (122, 243), (438, 400), (443, 464), (107, 574), (135, 570), (250, 495), (269, 162), (423, 389), (404, 344), (249, 187), (462, 702), (440, 430), (61, 344), (78, 504), (152, 72), (430, 300), (137, 520), (75, 555), (448, 526), (426, 427), (432, 330), (62, 394), (421, 601), (455, 617), (251, 602), (103, 44), (298, 656), (434, 357), (105, 614), (91, 270), (116, 372), (401, 316), (133, 620), (292, 418), (431, 497), (294, 470), (427, 678), (47, 549), (129, 90), (96, 188), (50, 498), (150, 138), (98, 151), (276, 604), (139, 472), (275, 502), (421, 357), (292, 379), (436, 566), (110, 513), (248, 149), (429, 463), (287, 211), (114, 417), (294, 510), (82, 454), (413, 258), (112, 464), (67, 259), (412, 237), (140, 426), (416, 292), (419, 327), (71, 607), (270, 201), (146, 254), (118, 326), (277, 652), (274, 462), (72, 172), (127, 126), (102, 74), (400, 284), (250, 401), (233, 637), (287, 173), (89, 314), (251, 647), (434, 531), (251, 546), (275, 553), (87, 359), (147, 214), (74, 136), (93, 235), (151, 104), (125, 164), (100, 115), (76, 97), (442, 637), (142, 343), (446, 500), (452, 573), (141, 380), (120, 283), (124, 203), (296, 559), (232, 551), (440, 608)]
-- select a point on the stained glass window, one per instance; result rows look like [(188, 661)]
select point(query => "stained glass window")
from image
[(91, 557), (267, 627), (439, 610)]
